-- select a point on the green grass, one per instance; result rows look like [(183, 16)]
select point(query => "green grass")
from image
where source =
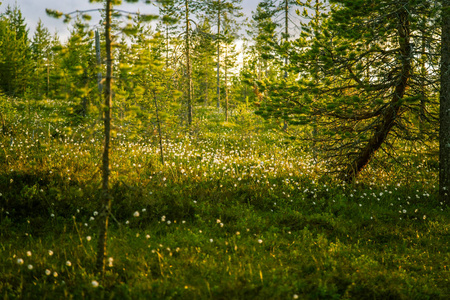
[(237, 212)]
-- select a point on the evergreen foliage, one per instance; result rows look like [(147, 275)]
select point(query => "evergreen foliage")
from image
[(364, 80), (192, 207)]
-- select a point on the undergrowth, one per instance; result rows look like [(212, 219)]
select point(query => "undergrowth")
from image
[(237, 211)]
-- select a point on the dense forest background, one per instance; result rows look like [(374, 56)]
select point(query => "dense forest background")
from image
[(300, 152)]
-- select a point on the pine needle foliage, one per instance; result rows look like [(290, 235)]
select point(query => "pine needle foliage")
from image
[(366, 79)]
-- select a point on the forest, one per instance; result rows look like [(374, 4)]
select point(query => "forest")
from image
[(300, 152)]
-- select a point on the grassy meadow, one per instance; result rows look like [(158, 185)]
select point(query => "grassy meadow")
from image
[(238, 211)]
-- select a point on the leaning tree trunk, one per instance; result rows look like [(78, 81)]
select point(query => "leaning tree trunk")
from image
[(444, 116), (106, 196), (389, 116)]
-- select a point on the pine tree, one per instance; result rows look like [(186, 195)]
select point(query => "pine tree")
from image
[(220, 12), (169, 28), (264, 57), (229, 62), (15, 69), (40, 48), (106, 200), (203, 63), (359, 77), (78, 65)]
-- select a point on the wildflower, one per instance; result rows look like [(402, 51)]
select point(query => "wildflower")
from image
[(88, 238), (30, 267), (28, 253), (110, 261), (48, 272), (50, 252), (94, 283), (19, 261), (260, 241), (68, 263), (136, 214), (55, 274)]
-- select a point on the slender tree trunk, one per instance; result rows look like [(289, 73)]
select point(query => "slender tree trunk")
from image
[(206, 92), (99, 61), (106, 196), (286, 32), (444, 116), (188, 66), (48, 79), (423, 93), (218, 57), (158, 122), (226, 84), (167, 46), (389, 116)]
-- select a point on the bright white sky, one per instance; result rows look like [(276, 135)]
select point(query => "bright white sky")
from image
[(33, 10)]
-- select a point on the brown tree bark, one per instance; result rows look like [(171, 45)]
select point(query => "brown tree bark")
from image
[(389, 115), (106, 196), (188, 65), (444, 116)]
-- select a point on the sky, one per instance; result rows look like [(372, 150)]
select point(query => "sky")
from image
[(33, 10)]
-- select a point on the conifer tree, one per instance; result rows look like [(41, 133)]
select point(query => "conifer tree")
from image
[(78, 64), (263, 33), (203, 63), (40, 48), (15, 69), (229, 63), (168, 26), (106, 200), (359, 77), (220, 12)]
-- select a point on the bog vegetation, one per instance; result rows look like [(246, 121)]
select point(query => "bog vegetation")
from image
[(308, 171)]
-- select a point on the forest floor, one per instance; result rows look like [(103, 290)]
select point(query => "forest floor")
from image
[(237, 211)]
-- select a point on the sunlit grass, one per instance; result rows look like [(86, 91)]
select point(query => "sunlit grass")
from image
[(236, 212)]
